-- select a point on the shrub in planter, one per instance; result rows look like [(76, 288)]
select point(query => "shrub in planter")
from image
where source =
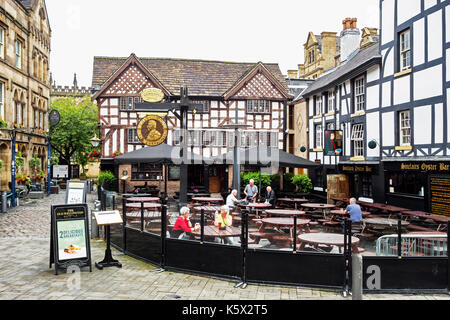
[(20, 161), (107, 179), (35, 164), (303, 183)]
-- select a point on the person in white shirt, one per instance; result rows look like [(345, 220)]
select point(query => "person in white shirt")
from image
[(232, 200)]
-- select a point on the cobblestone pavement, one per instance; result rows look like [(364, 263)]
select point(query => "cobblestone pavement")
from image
[(25, 273)]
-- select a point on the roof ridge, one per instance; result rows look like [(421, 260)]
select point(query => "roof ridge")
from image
[(184, 59)]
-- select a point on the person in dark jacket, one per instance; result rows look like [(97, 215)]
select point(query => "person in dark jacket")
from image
[(271, 197)]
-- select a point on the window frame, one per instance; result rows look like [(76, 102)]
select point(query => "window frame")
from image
[(133, 135), (318, 136), (156, 170), (319, 105), (2, 100), (206, 105), (331, 101), (2, 42), (404, 52), (258, 105), (403, 128), (18, 55), (357, 139), (359, 91)]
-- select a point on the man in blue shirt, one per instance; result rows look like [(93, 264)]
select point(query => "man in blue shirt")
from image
[(355, 211)]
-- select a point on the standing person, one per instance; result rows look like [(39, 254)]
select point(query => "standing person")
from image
[(271, 197), (251, 192), (232, 200), (183, 225), (354, 210)]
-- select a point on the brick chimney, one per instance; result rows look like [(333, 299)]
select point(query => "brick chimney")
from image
[(350, 38)]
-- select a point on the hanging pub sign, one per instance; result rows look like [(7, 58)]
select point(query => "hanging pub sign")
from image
[(333, 143), (152, 95), (76, 192), (54, 117), (152, 131), (69, 237)]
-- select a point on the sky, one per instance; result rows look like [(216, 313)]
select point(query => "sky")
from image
[(232, 30)]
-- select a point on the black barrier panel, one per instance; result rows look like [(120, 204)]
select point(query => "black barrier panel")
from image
[(391, 273), (209, 258), (144, 245), (309, 269), (116, 235)]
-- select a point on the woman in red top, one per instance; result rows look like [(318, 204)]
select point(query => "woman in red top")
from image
[(182, 225)]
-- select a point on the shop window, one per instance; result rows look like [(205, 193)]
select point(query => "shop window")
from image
[(146, 172), (366, 186), (410, 183)]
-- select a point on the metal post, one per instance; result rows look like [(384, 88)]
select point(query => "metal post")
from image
[(49, 167), (399, 244), (124, 225), (163, 235), (13, 169), (114, 202), (357, 277), (244, 248), (4, 200), (184, 128), (345, 286), (202, 226), (295, 234), (142, 216)]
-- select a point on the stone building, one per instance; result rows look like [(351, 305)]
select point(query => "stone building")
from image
[(66, 91), (24, 82)]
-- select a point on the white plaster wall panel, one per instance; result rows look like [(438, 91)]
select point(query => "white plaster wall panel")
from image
[(258, 125), (326, 160), (197, 124), (114, 102), (373, 97), (258, 117), (402, 92), (422, 125), (419, 42), (130, 148), (214, 123), (206, 117), (223, 114), (344, 107), (275, 124), (214, 114), (124, 122), (447, 25), (311, 106), (311, 134), (348, 142), (114, 141), (373, 73), (250, 117), (387, 11), (103, 111), (447, 57), (276, 115), (386, 94), (388, 135), (333, 160), (205, 124), (439, 123), (133, 115), (190, 116), (267, 125), (214, 104), (107, 148), (406, 9), (241, 113), (114, 121), (373, 132), (114, 111), (105, 103), (122, 140), (123, 115), (389, 62), (427, 84), (429, 3), (312, 156), (435, 35)]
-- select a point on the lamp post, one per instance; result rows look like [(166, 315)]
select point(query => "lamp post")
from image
[(96, 142), (13, 167)]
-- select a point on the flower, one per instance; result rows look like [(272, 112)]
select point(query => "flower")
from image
[(117, 153)]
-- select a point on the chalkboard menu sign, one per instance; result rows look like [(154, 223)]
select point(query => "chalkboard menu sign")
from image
[(69, 237), (439, 194), (174, 173)]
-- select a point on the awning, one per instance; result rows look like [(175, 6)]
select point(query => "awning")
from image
[(162, 154), (266, 157)]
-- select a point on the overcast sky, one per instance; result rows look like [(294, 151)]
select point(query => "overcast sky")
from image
[(231, 30)]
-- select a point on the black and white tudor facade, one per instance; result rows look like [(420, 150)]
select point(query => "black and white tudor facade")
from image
[(390, 99)]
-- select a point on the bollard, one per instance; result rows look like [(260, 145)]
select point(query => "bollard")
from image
[(357, 277), (4, 201)]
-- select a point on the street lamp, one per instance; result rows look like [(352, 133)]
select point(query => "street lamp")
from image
[(95, 141)]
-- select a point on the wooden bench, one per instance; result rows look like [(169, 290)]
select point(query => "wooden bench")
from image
[(420, 228), (255, 246)]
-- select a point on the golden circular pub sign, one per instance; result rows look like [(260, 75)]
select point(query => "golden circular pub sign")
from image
[(152, 131)]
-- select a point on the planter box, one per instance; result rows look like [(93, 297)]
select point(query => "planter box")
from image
[(63, 186), (54, 190)]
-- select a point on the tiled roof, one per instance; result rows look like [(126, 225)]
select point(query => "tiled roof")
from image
[(203, 78), (333, 76)]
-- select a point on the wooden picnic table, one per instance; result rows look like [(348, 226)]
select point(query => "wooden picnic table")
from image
[(391, 210), (327, 239), (341, 214), (289, 201), (383, 224), (282, 223), (215, 232), (284, 213), (439, 219), (144, 199), (207, 200), (320, 206), (147, 205)]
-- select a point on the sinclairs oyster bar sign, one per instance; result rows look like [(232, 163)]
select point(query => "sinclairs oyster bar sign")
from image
[(426, 166)]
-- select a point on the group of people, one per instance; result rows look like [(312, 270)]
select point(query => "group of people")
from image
[(251, 194)]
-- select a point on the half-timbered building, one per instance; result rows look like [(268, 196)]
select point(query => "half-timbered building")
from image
[(413, 90), (252, 93)]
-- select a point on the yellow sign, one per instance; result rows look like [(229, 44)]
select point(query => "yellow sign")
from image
[(152, 95), (152, 131)]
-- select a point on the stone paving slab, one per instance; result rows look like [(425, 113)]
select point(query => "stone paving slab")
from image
[(25, 273)]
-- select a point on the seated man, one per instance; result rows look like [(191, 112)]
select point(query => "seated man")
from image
[(251, 192), (232, 200), (224, 219), (354, 210), (183, 225), (271, 197)]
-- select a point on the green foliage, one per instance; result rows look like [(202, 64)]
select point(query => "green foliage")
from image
[(54, 160), (287, 181), (303, 183), (79, 119), (35, 163), (20, 161), (106, 176), (3, 124), (1, 164), (266, 180)]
